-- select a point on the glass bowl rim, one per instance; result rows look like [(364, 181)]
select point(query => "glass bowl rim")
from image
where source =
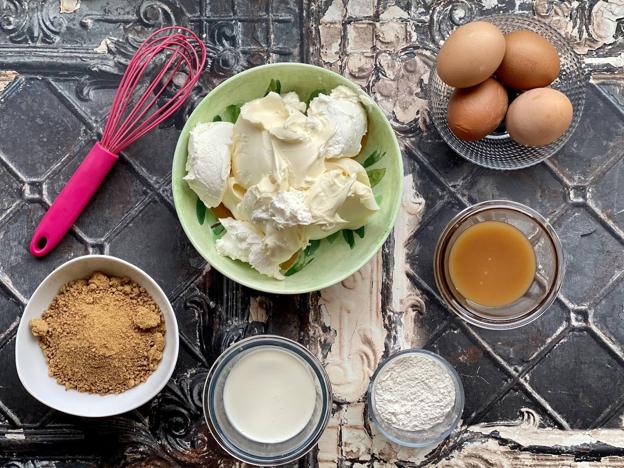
[(458, 408), (475, 319), (319, 372)]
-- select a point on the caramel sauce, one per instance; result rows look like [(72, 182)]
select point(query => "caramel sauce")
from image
[(492, 264)]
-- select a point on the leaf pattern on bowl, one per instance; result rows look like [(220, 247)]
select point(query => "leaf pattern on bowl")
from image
[(306, 256)]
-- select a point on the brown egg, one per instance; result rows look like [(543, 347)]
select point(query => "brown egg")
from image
[(474, 112), (471, 54), (530, 61), (539, 116)]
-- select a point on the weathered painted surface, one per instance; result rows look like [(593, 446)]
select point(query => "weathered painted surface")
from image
[(549, 394)]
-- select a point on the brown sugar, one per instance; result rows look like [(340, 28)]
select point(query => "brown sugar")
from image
[(102, 334)]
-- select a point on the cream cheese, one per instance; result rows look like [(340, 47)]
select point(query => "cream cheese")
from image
[(291, 179), (208, 161), (343, 110)]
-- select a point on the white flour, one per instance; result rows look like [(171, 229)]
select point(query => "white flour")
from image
[(414, 393)]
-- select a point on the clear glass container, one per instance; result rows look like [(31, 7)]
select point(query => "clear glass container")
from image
[(423, 438), (239, 446), (549, 271), (498, 150)]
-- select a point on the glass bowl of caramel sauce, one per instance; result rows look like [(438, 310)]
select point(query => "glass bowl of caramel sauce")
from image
[(499, 264)]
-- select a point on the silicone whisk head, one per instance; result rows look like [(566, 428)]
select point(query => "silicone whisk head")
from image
[(169, 61)]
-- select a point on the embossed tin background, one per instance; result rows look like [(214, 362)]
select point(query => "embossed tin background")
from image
[(531, 394)]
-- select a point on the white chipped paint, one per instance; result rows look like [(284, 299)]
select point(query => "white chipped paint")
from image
[(356, 443), (489, 4), (6, 78), (329, 443), (393, 12), (354, 310), (389, 452), (15, 434), (617, 61), (335, 13), (527, 433), (361, 8), (601, 30), (69, 6), (257, 309), (405, 298), (102, 48)]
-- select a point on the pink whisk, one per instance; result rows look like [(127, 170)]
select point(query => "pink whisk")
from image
[(171, 57)]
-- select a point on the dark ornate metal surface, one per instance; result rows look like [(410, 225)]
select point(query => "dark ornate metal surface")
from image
[(555, 378)]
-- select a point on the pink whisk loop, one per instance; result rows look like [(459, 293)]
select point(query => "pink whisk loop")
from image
[(159, 78)]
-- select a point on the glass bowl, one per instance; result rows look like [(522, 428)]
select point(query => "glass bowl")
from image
[(423, 438), (498, 150), (239, 446), (548, 273)]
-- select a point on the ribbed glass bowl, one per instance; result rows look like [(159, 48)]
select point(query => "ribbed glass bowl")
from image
[(498, 150)]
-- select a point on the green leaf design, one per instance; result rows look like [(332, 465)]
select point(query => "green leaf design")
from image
[(200, 210), (314, 94), (231, 113), (217, 118), (302, 261), (348, 236), (375, 157), (274, 86), (217, 230), (379, 198), (375, 175), (361, 232), (312, 247), (332, 237)]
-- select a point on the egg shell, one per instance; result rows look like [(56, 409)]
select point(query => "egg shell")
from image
[(471, 54), (477, 111), (530, 61), (539, 116)]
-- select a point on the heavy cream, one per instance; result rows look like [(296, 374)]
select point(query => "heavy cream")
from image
[(269, 395), (291, 179)]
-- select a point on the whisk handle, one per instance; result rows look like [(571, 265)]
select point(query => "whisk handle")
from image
[(72, 200)]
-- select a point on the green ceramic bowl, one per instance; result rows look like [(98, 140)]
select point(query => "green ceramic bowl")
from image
[(330, 260)]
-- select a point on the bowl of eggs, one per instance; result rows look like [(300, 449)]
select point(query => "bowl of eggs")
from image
[(508, 91)]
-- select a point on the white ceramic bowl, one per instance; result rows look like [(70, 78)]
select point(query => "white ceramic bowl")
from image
[(32, 368)]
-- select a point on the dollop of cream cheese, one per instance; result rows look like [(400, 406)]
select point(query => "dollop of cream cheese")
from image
[(343, 110), (291, 179), (208, 161)]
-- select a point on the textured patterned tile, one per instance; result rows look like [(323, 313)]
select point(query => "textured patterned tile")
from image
[(609, 315), (21, 404), (480, 376), (512, 407), (243, 7), (432, 318), (421, 246), (10, 311), (519, 345), (593, 255), (94, 97), (51, 128), (155, 242), (534, 187), (22, 270), (118, 194), (154, 152), (255, 34), (593, 143), (221, 7), (10, 190), (579, 379), (607, 193), (451, 166), (426, 185)]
